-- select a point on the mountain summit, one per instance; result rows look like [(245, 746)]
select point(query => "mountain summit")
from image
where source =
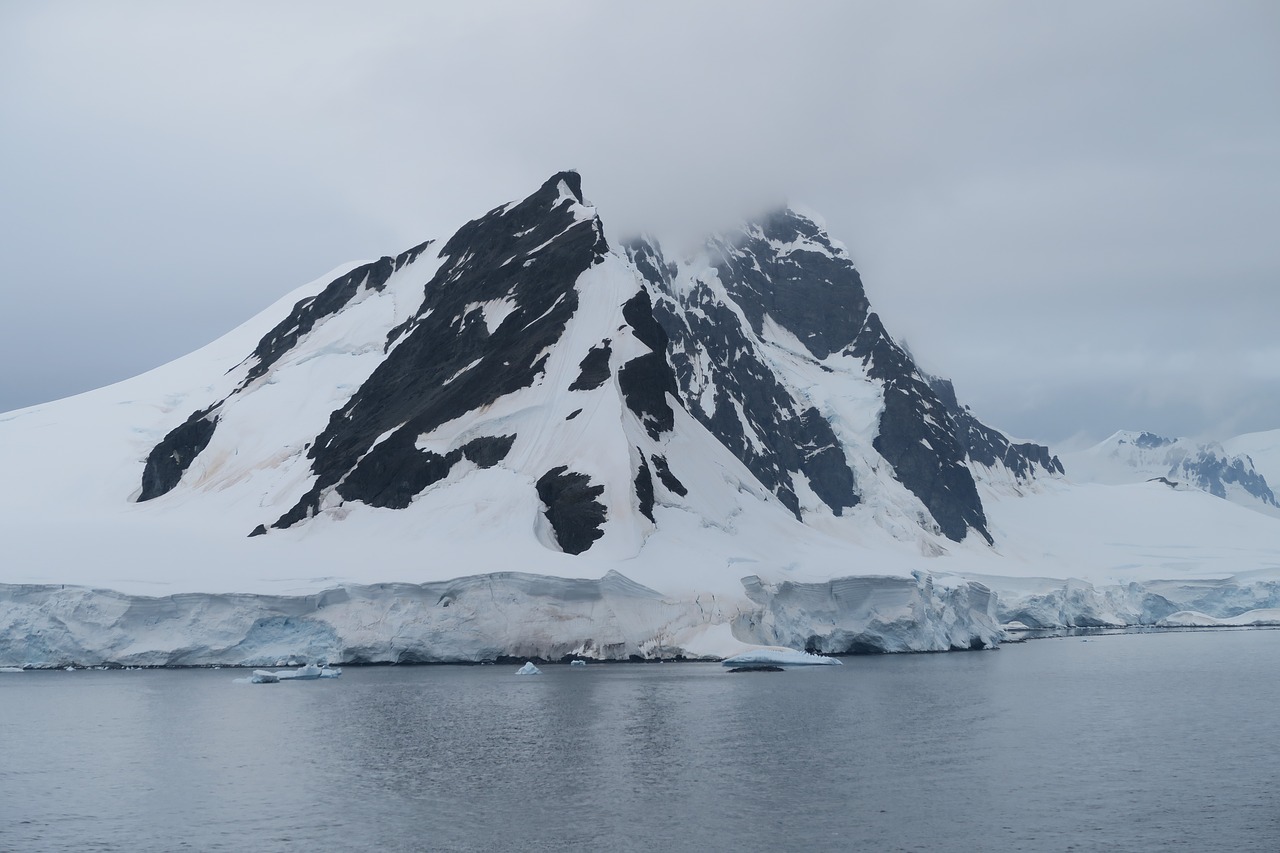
[(526, 342)]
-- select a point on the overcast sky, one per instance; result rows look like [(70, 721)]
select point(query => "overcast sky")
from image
[(1071, 209)]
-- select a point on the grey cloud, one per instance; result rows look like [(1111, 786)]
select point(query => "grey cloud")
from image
[(1066, 209)]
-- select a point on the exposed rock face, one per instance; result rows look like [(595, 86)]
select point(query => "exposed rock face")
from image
[(169, 460), (594, 368), (448, 359), (988, 447), (784, 273), (1214, 472), (571, 507), (379, 485), (786, 268), (647, 380), (917, 438), (727, 385)]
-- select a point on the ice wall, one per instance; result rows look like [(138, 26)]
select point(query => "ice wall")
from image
[(871, 614), (526, 616), (1073, 603), (486, 617)]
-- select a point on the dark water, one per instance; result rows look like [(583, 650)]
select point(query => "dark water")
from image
[(1123, 743)]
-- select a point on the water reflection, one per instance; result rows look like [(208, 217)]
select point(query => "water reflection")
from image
[(1144, 741)]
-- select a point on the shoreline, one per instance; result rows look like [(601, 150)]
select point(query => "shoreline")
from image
[(1017, 637)]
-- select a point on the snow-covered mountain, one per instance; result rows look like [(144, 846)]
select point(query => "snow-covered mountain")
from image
[(528, 439), (528, 320), (1128, 457), (1262, 449)]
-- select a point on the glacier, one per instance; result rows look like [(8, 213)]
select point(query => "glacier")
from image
[(474, 619), (512, 615)]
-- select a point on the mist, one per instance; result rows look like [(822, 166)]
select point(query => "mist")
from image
[(1067, 211)]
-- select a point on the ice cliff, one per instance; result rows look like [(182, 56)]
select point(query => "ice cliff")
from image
[(484, 618)]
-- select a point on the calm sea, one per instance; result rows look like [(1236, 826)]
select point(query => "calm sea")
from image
[(1142, 742)]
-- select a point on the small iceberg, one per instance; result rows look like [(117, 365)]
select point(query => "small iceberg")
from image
[(577, 663), (528, 669), (310, 672), (11, 669), (777, 657)]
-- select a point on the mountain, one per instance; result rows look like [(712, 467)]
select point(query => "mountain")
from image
[(1262, 449), (528, 439), (508, 325), (1128, 457)]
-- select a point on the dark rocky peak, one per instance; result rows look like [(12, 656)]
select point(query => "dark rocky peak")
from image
[(990, 447), (1151, 441), (726, 383), (489, 315), (509, 240), (1205, 466), (570, 178), (647, 256), (917, 437), (1212, 470), (786, 267)]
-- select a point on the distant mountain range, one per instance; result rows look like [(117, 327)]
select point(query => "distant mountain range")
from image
[(533, 439), (1127, 457)]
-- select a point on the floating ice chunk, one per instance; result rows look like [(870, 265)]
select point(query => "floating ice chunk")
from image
[(775, 656), (1015, 632), (528, 669), (308, 672), (577, 663), (19, 669)]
